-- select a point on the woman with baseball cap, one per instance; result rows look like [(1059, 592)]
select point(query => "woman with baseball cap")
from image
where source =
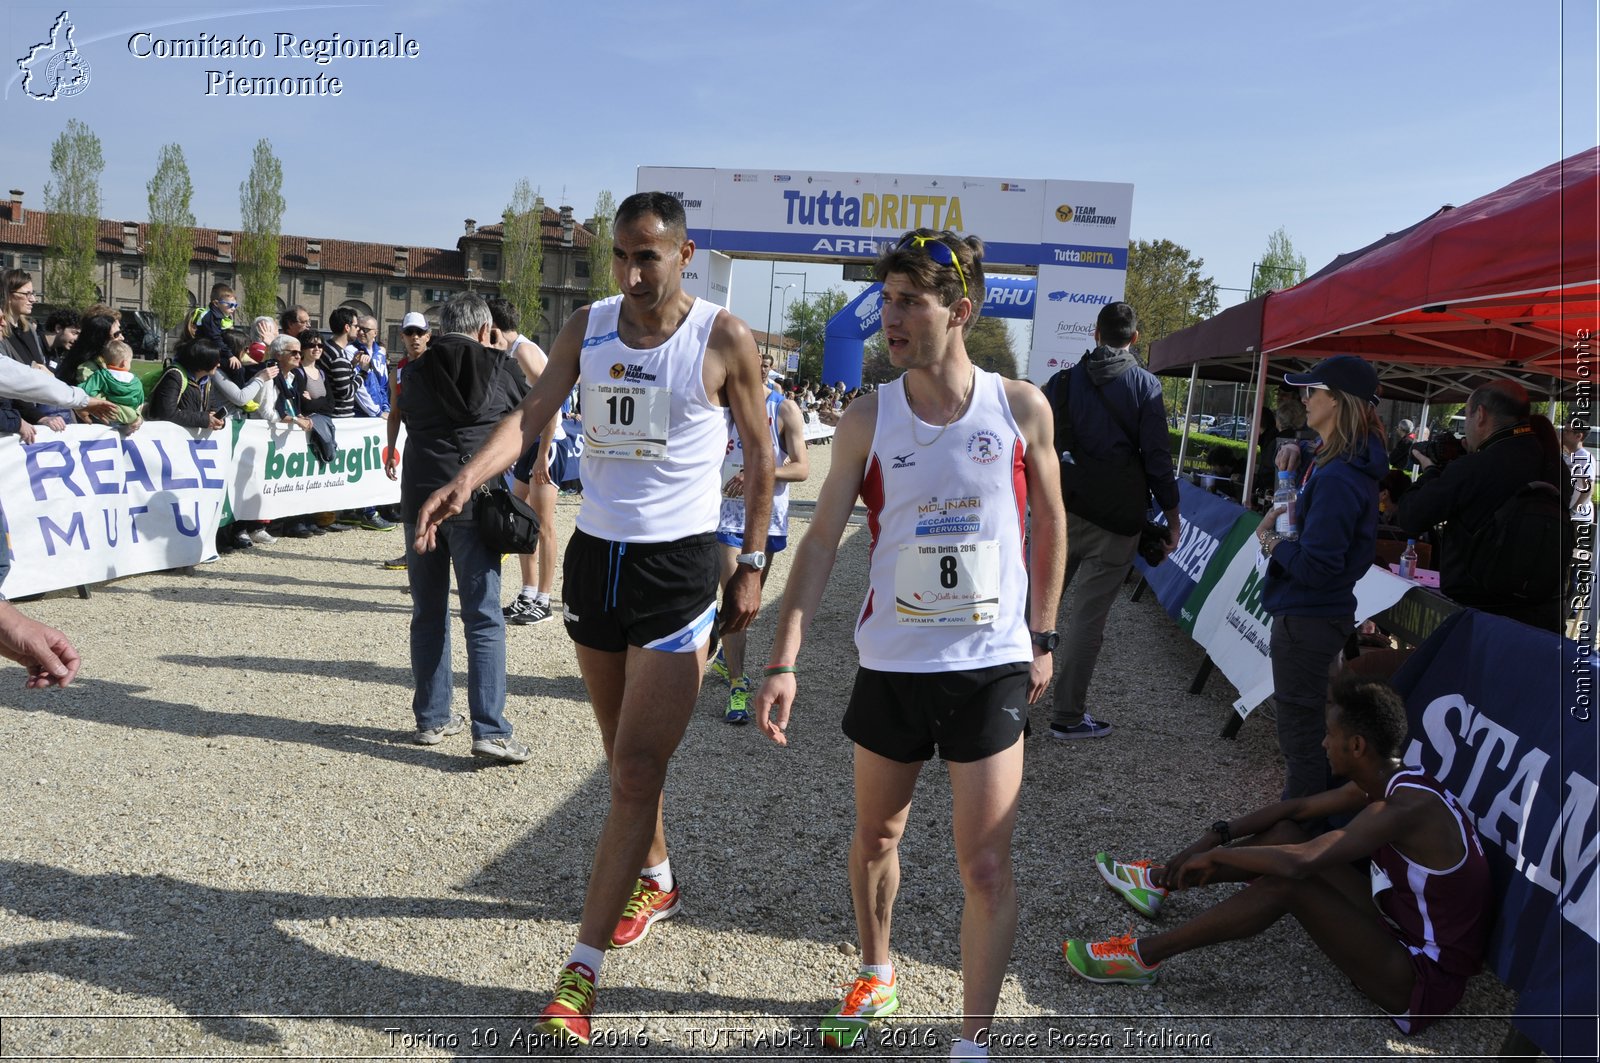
[(1310, 581)]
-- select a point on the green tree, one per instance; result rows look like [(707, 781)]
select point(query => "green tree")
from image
[(72, 221), (601, 281), (875, 365), (169, 244), (805, 323), (260, 226), (989, 347), (1280, 266), (522, 256), (1168, 291)]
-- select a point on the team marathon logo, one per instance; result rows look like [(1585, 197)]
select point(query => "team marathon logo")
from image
[(1068, 215), (54, 69), (984, 447), (630, 372)]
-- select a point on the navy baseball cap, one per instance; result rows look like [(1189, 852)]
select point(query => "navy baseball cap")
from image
[(1343, 372)]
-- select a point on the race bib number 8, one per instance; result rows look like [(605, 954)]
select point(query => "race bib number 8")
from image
[(955, 583), (626, 420)]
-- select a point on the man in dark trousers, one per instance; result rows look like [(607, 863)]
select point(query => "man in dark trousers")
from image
[(1507, 449), (1111, 435)]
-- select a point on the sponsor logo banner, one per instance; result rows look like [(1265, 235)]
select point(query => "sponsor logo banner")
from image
[(276, 474)]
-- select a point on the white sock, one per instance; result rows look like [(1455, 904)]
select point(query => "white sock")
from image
[(883, 972), (589, 956), (542, 597), (529, 592), (965, 1049), (662, 873)]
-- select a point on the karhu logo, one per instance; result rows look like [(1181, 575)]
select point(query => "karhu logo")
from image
[(903, 461)]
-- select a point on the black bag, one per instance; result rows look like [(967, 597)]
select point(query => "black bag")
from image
[(1520, 554), (507, 524), (1110, 491)]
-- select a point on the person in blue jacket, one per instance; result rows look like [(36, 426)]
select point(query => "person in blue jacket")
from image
[(1309, 587)]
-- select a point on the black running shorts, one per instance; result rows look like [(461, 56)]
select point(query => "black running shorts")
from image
[(660, 596), (964, 715)]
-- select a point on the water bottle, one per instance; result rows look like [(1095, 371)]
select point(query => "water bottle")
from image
[(1408, 560), (1287, 498)]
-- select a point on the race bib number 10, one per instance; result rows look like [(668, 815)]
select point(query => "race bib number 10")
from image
[(956, 583), (626, 420)]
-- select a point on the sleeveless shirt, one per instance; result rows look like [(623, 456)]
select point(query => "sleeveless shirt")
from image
[(653, 440), (948, 585), (731, 521)]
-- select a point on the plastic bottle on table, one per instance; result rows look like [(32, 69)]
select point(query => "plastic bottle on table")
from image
[(1288, 499), (1408, 560)]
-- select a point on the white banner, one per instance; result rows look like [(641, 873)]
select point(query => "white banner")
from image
[(87, 505), (1237, 632), (277, 475)]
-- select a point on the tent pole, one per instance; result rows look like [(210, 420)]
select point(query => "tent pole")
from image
[(1427, 397), (1248, 493), (1188, 408)]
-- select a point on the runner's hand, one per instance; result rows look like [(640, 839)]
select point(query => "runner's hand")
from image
[(742, 600), (773, 702), (1197, 871), (51, 660), (443, 504), (1040, 673)]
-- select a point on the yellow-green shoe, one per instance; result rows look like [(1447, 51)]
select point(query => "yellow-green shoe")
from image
[(866, 1000)]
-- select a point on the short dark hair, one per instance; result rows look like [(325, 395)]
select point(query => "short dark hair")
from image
[(291, 315), (1116, 324), (911, 259), (199, 355), (1506, 400), (340, 320), (1371, 708), (60, 318), (238, 341), (502, 313), (657, 204), (219, 289)]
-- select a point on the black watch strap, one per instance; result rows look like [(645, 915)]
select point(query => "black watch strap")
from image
[(1046, 640), (1222, 831)]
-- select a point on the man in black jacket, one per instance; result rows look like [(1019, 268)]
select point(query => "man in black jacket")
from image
[(1507, 449), (1111, 436)]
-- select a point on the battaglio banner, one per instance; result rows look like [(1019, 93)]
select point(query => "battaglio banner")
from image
[(276, 473)]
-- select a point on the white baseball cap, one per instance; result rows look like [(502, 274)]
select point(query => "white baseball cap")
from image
[(414, 320)]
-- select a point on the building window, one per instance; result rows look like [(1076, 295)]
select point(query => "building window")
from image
[(435, 295), (7, 260), (355, 290), (130, 272), (32, 263), (397, 291), (491, 260), (221, 278), (311, 287), (580, 269)]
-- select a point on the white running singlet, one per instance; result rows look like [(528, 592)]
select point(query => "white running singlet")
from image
[(652, 438), (731, 521), (948, 585)]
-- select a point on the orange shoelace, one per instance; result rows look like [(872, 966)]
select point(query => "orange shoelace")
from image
[(1117, 946), (860, 993)]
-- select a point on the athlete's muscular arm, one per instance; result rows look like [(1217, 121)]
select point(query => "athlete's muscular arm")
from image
[(512, 435), (1047, 556), (732, 351), (796, 467), (814, 561), (1347, 800)]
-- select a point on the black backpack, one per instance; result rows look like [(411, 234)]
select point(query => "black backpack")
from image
[(1521, 554), (1111, 491)]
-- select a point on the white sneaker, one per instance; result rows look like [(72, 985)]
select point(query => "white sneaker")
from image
[(262, 536)]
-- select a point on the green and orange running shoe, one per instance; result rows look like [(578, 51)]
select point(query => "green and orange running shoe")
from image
[(866, 1000), (1132, 880), (566, 1018), (1114, 960)]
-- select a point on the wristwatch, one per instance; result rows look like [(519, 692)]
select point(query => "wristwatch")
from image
[(757, 560), (1220, 828), (1046, 640)]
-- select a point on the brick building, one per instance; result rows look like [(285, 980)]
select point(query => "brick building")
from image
[(384, 280)]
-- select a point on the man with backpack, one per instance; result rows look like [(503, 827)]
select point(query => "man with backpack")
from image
[(1503, 506), (1111, 436)]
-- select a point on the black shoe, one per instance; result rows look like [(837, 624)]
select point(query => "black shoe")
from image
[(240, 541), (296, 531), (316, 529)]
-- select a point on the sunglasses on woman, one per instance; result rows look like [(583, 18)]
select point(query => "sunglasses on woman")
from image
[(936, 249)]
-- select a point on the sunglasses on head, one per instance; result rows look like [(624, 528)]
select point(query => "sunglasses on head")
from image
[(938, 250)]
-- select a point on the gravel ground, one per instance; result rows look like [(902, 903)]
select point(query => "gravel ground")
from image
[(223, 844)]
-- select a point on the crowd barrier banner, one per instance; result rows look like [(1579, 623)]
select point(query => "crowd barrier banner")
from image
[(276, 474), (1504, 716), (1207, 521), (88, 504)]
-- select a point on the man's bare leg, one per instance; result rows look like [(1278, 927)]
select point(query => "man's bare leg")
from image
[(542, 497), (883, 802), (985, 794), (642, 701)]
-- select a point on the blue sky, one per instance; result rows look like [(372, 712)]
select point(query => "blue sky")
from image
[(1338, 121)]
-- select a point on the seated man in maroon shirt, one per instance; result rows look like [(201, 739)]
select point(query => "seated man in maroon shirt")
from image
[(1408, 937)]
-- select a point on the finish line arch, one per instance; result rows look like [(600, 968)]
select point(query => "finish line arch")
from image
[(1072, 235)]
